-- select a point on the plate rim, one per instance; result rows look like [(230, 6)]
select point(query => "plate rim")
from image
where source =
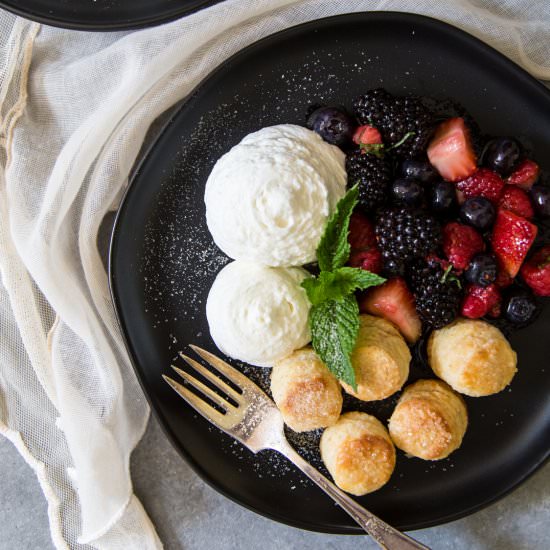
[(113, 26), (144, 156)]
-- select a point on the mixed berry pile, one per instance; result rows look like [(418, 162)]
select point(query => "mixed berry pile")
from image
[(451, 219)]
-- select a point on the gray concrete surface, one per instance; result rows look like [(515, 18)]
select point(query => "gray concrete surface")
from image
[(189, 515)]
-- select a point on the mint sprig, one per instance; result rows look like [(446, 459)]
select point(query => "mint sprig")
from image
[(334, 315), (334, 328), (334, 249)]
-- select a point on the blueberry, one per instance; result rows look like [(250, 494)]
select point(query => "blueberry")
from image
[(332, 124), (482, 270), (540, 196), (520, 306), (443, 197), (502, 155), (409, 192), (418, 170), (478, 212)]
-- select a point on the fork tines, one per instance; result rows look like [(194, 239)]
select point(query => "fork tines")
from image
[(199, 404)]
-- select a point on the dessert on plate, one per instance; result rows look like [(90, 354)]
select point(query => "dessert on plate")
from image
[(361, 241), (429, 420), (358, 453), (380, 359), (305, 391)]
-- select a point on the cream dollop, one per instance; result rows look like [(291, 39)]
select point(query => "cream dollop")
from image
[(258, 314), (268, 199)]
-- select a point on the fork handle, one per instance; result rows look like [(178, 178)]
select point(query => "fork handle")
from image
[(385, 535)]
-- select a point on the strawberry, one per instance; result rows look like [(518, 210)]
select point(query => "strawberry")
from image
[(512, 238), (517, 201), (461, 243), (525, 175), (482, 183), (367, 135), (362, 239), (395, 302), (536, 272), (480, 301), (451, 151)]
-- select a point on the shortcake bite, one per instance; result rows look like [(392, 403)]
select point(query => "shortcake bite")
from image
[(473, 357)]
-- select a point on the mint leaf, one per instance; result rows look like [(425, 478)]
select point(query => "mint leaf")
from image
[(333, 250), (334, 326), (350, 279), (338, 284), (321, 288)]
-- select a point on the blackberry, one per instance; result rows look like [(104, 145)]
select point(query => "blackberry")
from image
[(373, 175), (404, 234), (396, 118), (437, 293)]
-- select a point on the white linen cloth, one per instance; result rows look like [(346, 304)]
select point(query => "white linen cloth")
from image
[(74, 110)]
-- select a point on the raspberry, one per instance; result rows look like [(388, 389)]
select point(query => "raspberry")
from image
[(461, 243), (482, 183), (361, 232), (480, 301), (370, 260), (536, 272), (362, 239), (517, 201)]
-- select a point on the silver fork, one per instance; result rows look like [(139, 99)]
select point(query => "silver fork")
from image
[(256, 422)]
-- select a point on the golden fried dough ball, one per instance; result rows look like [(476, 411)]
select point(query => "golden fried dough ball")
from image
[(473, 357), (429, 421), (358, 453), (380, 358), (306, 392)]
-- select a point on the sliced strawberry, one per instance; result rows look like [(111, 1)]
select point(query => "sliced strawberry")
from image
[(461, 243), (536, 272), (367, 135), (525, 175), (512, 238), (451, 151), (517, 201), (362, 239), (395, 302), (480, 301), (482, 183)]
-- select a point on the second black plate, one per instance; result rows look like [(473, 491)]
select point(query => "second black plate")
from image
[(104, 15), (163, 260)]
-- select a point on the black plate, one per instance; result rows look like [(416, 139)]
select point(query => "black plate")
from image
[(163, 260), (104, 15)]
